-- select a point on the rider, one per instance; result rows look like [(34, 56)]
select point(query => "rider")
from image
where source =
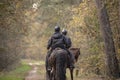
[(64, 32), (56, 40)]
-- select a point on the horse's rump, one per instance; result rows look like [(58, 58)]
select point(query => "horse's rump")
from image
[(58, 62), (56, 52)]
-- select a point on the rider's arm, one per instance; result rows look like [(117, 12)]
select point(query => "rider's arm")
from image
[(49, 43), (69, 42), (65, 41)]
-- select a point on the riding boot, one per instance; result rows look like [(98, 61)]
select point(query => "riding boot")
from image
[(71, 60)]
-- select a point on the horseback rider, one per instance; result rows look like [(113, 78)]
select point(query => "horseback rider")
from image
[(64, 32), (57, 40)]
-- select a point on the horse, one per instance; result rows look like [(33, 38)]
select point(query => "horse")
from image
[(75, 52), (58, 61)]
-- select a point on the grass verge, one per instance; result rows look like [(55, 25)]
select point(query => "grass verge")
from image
[(17, 74)]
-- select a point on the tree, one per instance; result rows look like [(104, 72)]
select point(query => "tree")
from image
[(12, 30), (111, 59)]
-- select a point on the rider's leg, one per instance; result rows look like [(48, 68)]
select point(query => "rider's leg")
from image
[(47, 65), (48, 54)]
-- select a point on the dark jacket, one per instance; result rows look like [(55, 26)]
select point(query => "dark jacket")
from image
[(57, 40), (69, 43)]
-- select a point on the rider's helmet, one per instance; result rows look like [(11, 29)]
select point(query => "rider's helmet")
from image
[(57, 29), (64, 32)]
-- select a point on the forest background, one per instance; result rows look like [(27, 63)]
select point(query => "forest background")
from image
[(26, 26)]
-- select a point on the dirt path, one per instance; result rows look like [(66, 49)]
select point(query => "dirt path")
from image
[(38, 73), (35, 73)]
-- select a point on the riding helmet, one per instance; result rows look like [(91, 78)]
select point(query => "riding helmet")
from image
[(57, 29), (64, 32)]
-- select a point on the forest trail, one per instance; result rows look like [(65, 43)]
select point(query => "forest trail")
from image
[(35, 73), (38, 73)]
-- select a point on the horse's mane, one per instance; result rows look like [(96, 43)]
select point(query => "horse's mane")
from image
[(74, 49)]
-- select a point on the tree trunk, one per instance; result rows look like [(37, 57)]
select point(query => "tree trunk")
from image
[(119, 29), (119, 13), (111, 62)]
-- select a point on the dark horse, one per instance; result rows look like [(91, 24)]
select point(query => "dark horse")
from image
[(75, 52), (58, 61)]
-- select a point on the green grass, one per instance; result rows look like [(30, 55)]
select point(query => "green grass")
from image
[(17, 74)]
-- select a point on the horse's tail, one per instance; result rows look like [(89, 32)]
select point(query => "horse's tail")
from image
[(61, 64)]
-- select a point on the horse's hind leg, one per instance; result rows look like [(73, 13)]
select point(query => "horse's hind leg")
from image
[(52, 75), (47, 71), (47, 75), (71, 73)]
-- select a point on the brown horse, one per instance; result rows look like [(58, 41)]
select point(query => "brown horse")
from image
[(58, 61), (76, 53)]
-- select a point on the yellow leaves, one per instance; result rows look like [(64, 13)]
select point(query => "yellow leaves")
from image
[(27, 13), (77, 25), (18, 5), (79, 14), (118, 50)]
